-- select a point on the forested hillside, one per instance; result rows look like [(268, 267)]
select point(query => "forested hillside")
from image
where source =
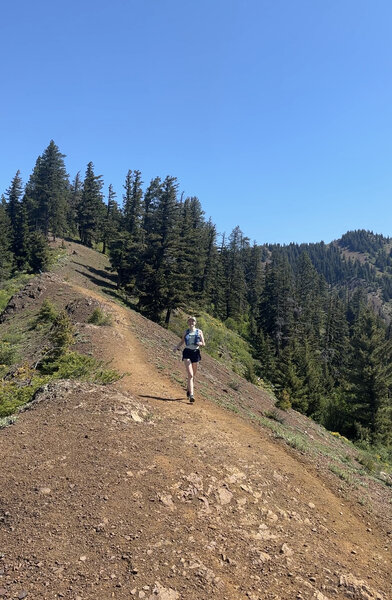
[(315, 315)]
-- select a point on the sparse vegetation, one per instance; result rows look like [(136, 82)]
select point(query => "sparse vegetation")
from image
[(10, 287), (274, 415), (343, 475), (48, 312), (234, 385), (19, 390), (57, 360), (99, 317), (283, 402), (8, 353)]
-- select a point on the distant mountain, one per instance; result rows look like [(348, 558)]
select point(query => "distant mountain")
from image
[(359, 259)]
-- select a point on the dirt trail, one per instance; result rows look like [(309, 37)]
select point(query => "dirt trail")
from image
[(130, 491)]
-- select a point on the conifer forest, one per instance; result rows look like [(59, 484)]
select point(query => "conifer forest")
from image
[(316, 316)]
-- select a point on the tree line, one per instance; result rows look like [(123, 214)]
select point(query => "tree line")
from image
[(303, 308)]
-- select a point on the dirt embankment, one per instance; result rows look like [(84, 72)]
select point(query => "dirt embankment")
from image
[(128, 491)]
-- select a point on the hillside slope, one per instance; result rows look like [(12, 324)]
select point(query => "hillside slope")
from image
[(129, 491)]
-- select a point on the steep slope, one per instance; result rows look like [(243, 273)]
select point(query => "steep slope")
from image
[(129, 491)]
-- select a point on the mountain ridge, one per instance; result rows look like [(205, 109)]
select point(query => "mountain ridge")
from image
[(128, 491)]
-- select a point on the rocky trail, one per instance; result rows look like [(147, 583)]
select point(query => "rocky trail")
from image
[(128, 491)]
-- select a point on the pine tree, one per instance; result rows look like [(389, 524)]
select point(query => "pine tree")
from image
[(192, 235), (209, 283), (277, 302), (6, 256), (133, 204), (21, 238), (111, 223), (39, 255), (335, 342), (236, 290), (159, 281), (13, 197), (17, 212), (47, 192), (74, 200), (370, 377), (310, 296), (91, 208)]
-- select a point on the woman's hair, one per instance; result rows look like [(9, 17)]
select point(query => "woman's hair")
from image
[(193, 318)]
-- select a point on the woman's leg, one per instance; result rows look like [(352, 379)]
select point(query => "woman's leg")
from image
[(194, 368), (189, 374)]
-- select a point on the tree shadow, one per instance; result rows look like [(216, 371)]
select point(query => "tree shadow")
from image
[(164, 399), (103, 283), (106, 273), (116, 296)]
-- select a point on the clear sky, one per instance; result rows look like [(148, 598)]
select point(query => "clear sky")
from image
[(276, 114)]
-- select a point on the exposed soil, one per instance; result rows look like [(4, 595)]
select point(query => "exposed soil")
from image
[(129, 491)]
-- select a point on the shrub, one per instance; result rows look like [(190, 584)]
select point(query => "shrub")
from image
[(18, 391), (274, 415), (73, 365), (62, 336), (367, 462), (7, 353), (99, 317), (48, 312), (234, 385), (283, 402)]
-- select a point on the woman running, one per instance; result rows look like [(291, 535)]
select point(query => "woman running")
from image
[(193, 339)]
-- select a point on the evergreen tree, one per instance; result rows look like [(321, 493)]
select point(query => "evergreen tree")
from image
[(370, 377), (91, 208), (277, 302), (47, 192), (133, 204), (236, 289), (6, 256), (192, 249), (13, 197), (210, 281), (74, 200), (39, 255), (160, 282), (111, 224), (21, 238), (309, 294), (335, 343)]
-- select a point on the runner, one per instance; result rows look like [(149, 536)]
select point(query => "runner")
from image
[(193, 339)]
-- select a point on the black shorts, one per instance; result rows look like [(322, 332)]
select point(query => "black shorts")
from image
[(193, 355)]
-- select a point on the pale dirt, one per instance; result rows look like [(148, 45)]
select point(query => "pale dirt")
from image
[(128, 491)]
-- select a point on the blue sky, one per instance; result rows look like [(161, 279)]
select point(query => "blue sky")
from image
[(276, 114)]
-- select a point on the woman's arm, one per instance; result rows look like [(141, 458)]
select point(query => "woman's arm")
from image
[(202, 342), (180, 343)]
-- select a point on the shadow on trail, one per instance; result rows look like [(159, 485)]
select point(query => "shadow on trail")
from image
[(99, 282), (164, 399), (117, 296), (104, 273)]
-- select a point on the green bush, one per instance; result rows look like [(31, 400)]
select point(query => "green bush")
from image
[(18, 392), (73, 365), (274, 415), (62, 335), (283, 402), (99, 317), (8, 353), (48, 312), (367, 462)]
